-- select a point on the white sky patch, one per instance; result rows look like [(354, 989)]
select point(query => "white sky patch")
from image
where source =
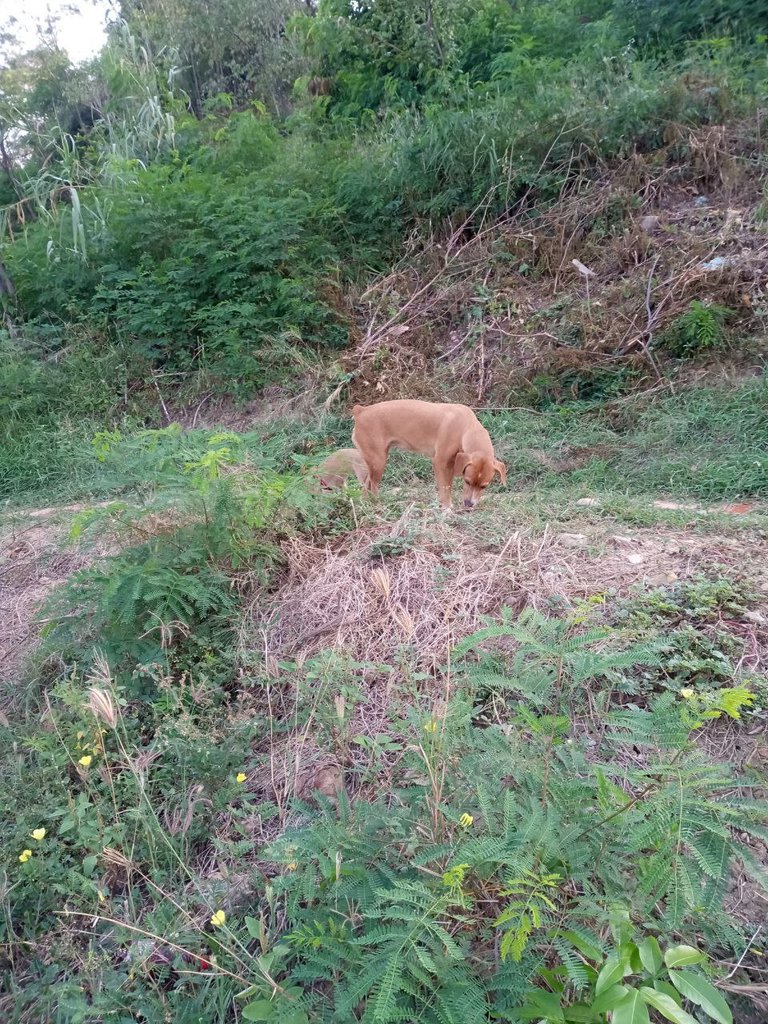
[(79, 26)]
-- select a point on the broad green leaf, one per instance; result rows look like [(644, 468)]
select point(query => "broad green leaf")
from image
[(631, 1010), (261, 1010), (650, 955), (611, 972), (89, 864), (254, 927), (682, 956), (579, 1013), (664, 986), (610, 999), (699, 991), (666, 1006)]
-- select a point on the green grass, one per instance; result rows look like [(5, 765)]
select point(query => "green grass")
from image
[(708, 444), (705, 444)]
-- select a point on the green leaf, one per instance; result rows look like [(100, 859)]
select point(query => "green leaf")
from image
[(650, 955), (579, 1013), (262, 1009), (89, 864), (703, 994), (631, 1010), (590, 951), (670, 990), (666, 1006), (254, 927), (542, 1004), (610, 999), (682, 956), (611, 972)]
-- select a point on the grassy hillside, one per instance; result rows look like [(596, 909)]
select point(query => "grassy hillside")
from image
[(276, 754)]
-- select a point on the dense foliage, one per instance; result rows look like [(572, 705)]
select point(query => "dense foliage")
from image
[(533, 828)]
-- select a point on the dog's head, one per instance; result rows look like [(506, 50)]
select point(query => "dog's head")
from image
[(477, 471)]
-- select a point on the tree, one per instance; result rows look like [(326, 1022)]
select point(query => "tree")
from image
[(238, 47)]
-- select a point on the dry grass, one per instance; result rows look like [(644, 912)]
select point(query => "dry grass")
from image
[(477, 318), (383, 606), (425, 582), (33, 561)]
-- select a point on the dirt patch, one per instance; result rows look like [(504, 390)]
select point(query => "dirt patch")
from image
[(426, 581), (33, 562)]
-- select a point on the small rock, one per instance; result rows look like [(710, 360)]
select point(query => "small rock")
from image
[(756, 617), (635, 558), (622, 540), (718, 263), (649, 224), (584, 271), (701, 201), (573, 540), (587, 502)]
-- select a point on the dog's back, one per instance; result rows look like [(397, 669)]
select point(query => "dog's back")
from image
[(412, 424)]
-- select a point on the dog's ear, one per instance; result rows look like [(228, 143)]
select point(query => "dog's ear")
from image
[(461, 462), (501, 469)]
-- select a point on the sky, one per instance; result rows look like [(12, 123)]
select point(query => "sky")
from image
[(79, 24)]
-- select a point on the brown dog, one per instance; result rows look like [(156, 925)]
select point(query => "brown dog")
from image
[(334, 471), (451, 435)]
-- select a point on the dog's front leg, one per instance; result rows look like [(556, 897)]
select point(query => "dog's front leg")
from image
[(444, 481)]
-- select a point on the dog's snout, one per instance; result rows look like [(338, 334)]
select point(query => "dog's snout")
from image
[(468, 503)]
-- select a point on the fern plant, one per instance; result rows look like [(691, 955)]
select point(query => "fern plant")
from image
[(525, 911), (552, 658), (700, 328), (207, 513)]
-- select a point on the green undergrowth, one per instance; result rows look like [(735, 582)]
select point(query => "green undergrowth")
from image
[(532, 830), (495, 853), (705, 444), (537, 823)]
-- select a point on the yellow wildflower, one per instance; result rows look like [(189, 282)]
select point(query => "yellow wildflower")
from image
[(85, 761), (102, 897), (218, 918), (430, 726), (687, 693), (241, 777), (466, 820), (292, 866), (38, 834), (24, 856)]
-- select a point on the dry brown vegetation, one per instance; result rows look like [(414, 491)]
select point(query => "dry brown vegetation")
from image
[(587, 287)]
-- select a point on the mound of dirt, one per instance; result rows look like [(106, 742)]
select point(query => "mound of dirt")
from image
[(428, 582)]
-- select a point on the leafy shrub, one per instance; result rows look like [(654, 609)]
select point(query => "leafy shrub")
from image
[(699, 330), (209, 514)]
